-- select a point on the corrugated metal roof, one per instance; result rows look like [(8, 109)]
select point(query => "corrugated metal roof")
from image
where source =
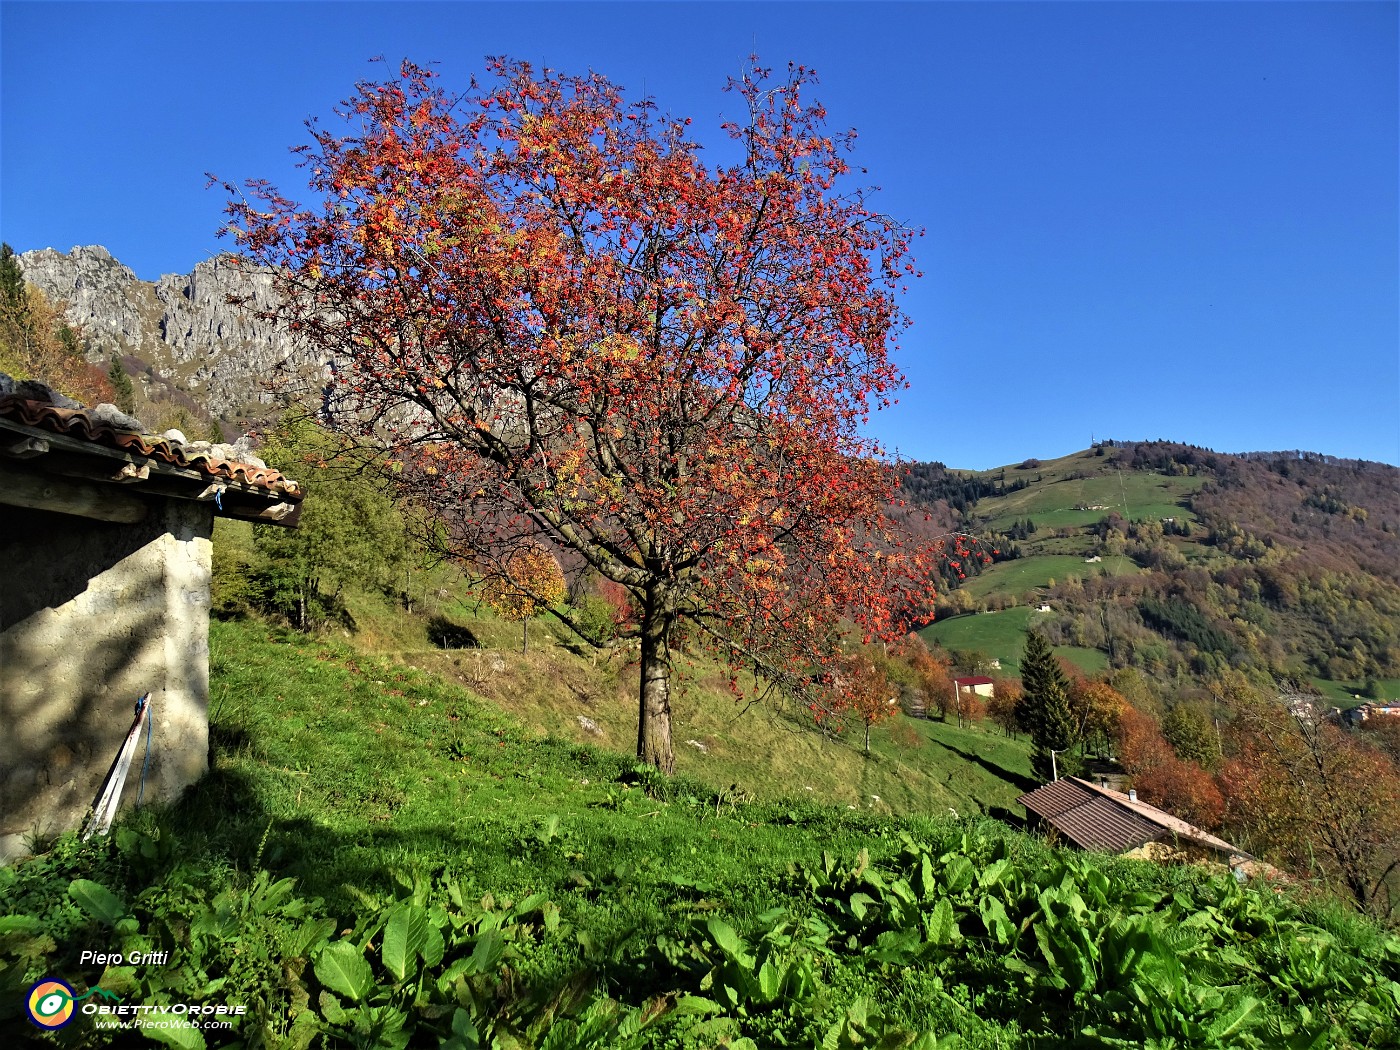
[(1088, 818), (77, 423), (1175, 825)]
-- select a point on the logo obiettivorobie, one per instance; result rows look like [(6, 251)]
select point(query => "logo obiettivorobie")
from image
[(50, 1003)]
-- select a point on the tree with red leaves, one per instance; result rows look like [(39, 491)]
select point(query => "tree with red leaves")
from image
[(1159, 775), (568, 328), (865, 691)]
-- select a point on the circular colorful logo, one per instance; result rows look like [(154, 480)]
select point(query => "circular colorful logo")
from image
[(50, 1003)]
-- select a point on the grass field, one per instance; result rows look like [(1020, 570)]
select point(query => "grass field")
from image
[(393, 762), (1003, 635), (1090, 660), (1350, 694), (1136, 495), (1023, 575), (556, 692), (999, 634), (377, 857)]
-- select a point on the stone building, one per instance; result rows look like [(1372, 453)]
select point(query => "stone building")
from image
[(105, 543)]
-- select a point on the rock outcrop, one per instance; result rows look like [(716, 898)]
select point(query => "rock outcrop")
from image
[(181, 330)]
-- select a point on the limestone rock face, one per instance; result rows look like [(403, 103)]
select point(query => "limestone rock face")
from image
[(103, 298), (182, 329)]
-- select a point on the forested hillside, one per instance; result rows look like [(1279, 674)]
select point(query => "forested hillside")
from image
[(1210, 614), (1178, 560)]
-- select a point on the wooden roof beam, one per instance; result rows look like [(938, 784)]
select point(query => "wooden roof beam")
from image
[(64, 496)]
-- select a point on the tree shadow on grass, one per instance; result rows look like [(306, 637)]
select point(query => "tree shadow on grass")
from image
[(445, 634), (1025, 783)]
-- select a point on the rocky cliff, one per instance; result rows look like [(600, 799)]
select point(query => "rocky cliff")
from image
[(177, 334)]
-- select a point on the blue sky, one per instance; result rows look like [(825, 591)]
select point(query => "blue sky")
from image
[(1144, 220)]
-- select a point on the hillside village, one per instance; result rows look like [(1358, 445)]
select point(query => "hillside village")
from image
[(1195, 608)]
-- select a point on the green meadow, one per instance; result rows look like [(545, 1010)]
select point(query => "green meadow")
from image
[(1050, 502), (382, 858), (1350, 694), (1022, 575), (1003, 635)]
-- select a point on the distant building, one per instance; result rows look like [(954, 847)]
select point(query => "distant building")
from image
[(1096, 558), (1098, 818), (978, 685), (1301, 708), (1364, 712)]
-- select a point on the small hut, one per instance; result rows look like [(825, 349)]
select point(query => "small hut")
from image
[(105, 542)]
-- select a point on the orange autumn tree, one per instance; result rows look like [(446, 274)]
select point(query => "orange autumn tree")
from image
[(566, 325), (932, 674), (1002, 708), (1314, 797), (865, 692), (530, 582), (1160, 777)]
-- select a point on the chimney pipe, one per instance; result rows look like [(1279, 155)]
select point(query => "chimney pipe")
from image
[(1132, 794)]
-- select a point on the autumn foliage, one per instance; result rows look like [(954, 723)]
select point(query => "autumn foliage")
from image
[(1317, 799), (1002, 707), (529, 583), (864, 691), (1160, 777), (932, 675), (1097, 708), (36, 343), (568, 327)]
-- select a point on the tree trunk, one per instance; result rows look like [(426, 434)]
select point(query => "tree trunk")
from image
[(525, 635), (867, 738), (654, 716)]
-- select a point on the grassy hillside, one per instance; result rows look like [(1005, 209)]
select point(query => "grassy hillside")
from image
[(378, 858), (1003, 635), (1058, 486), (915, 766), (1024, 576), (1280, 564), (1350, 694)]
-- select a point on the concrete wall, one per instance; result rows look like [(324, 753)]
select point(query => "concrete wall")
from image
[(92, 615)]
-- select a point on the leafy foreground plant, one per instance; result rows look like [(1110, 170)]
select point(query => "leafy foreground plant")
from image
[(986, 940), (1071, 957)]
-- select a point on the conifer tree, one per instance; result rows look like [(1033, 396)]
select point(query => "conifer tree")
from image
[(121, 385), (11, 279), (1044, 711)]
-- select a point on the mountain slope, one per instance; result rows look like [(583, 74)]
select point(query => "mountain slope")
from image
[(1177, 559), (180, 338)]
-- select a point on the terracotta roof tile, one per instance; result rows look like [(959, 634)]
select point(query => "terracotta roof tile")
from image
[(77, 423)]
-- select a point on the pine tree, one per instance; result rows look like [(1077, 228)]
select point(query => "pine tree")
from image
[(121, 384), (1044, 711), (11, 279)]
